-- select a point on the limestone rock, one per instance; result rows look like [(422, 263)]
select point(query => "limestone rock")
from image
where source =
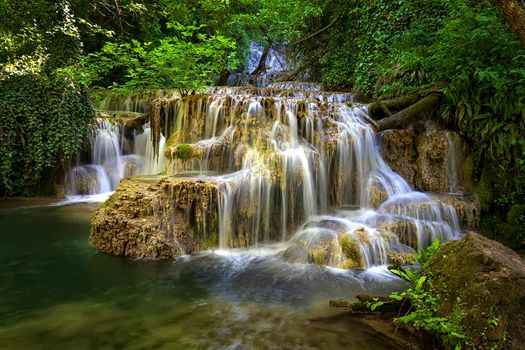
[(430, 161), (489, 279), (437, 164), (398, 149), (159, 220)]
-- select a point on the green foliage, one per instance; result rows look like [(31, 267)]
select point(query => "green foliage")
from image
[(426, 301), (43, 122), (188, 60)]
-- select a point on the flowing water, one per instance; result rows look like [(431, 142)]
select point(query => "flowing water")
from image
[(57, 292), (301, 187)]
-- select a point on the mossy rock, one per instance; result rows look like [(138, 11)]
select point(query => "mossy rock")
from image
[(317, 256), (351, 250), (489, 279), (469, 171), (183, 152)]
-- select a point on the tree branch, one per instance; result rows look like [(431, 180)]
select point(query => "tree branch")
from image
[(316, 33)]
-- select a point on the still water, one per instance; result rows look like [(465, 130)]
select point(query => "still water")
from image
[(58, 292)]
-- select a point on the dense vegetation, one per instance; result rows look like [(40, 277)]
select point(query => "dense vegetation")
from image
[(380, 49)]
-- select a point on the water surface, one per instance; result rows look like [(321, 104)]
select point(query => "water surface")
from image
[(57, 292)]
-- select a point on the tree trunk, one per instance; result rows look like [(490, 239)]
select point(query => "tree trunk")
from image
[(411, 113), (223, 78), (381, 109), (261, 67), (511, 11)]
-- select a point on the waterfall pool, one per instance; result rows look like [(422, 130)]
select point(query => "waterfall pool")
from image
[(58, 292)]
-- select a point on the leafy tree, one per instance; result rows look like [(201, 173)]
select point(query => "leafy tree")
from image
[(187, 60)]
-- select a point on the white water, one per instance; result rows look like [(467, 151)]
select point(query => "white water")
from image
[(292, 157), (299, 167), (112, 158)]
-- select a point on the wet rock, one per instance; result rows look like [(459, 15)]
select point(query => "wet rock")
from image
[(82, 180), (404, 229), (295, 254), (377, 196), (467, 207), (350, 245), (437, 164), (159, 220), (489, 280), (398, 149), (182, 157), (324, 250), (130, 120), (343, 249), (401, 255)]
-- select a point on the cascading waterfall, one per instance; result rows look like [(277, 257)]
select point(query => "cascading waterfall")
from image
[(113, 157), (303, 167)]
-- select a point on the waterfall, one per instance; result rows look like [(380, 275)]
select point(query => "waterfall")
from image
[(302, 167), (289, 163), (113, 156)]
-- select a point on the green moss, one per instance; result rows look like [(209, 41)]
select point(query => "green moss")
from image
[(516, 214), (484, 189), (183, 152), (211, 241), (516, 225), (351, 250), (317, 256), (349, 264), (469, 171)]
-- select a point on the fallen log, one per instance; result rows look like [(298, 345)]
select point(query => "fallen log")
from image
[(411, 113), (381, 109), (364, 303)]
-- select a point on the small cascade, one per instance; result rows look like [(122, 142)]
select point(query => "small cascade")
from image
[(143, 148), (453, 161), (115, 153)]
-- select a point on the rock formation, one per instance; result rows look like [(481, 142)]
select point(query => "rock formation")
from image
[(487, 279)]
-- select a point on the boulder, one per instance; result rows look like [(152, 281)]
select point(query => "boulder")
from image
[(487, 281), (157, 220)]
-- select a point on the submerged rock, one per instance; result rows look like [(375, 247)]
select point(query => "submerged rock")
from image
[(486, 280)]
